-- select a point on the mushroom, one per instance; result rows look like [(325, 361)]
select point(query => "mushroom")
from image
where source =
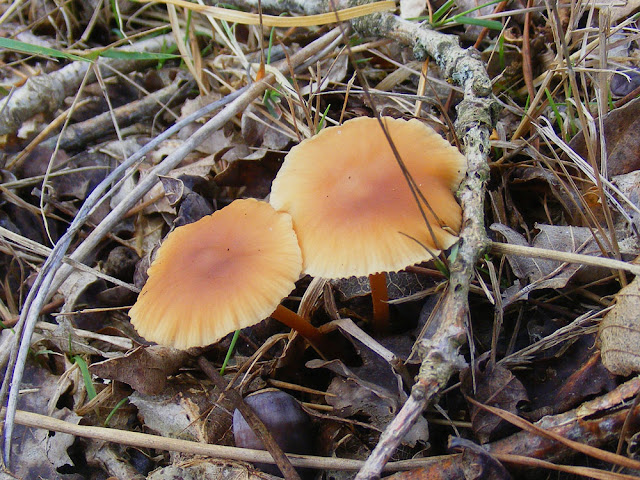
[(352, 208), (227, 271)]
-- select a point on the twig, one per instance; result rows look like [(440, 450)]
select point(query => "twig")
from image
[(565, 257), (143, 440), (252, 420), (80, 134), (440, 358), (45, 284)]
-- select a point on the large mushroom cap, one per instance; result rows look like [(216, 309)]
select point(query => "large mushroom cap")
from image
[(226, 271), (352, 209)]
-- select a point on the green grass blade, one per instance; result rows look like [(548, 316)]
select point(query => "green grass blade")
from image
[(232, 346), (273, 29), (125, 55), (30, 49), (555, 109), (442, 11), (322, 119), (464, 20), (114, 410), (115, 11), (86, 376)]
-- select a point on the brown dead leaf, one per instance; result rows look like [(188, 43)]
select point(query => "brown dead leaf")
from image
[(145, 369), (412, 8), (477, 462), (546, 273), (399, 284), (259, 130), (78, 185), (199, 468), (373, 389), (39, 453), (621, 128), (620, 10), (620, 332), (253, 170), (187, 409), (495, 386)]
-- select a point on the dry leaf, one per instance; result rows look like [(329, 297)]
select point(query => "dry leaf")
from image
[(145, 369), (207, 468), (412, 8), (621, 128), (496, 386), (39, 453), (620, 332)]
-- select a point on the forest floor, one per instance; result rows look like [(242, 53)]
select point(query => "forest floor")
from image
[(511, 354)]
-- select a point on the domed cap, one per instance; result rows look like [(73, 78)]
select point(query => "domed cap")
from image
[(225, 272), (351, 206)]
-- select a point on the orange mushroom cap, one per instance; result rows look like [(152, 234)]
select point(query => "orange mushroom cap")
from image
[(226, 271), (351, 206)]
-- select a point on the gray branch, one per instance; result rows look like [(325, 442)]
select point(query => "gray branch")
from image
[(303, 7), (476, 117)]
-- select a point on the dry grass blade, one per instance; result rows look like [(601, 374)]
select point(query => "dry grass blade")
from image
[(574, 470), (273, 21), (577, 446), (566, 257), (144, 440)]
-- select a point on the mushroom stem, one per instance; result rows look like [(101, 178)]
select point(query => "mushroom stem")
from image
[(379, 297), (303, 327)]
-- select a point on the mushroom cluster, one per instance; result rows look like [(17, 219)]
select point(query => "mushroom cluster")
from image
[(340, 206)]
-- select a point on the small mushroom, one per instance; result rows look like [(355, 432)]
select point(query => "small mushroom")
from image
[(227, 271), (352, 208)]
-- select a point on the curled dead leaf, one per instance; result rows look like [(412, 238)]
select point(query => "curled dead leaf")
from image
[(620, 332), (145, 369)]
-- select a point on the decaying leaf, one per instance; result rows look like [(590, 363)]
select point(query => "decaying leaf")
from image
[(620, 10), (399, 284), (537, 273), (199, 468), (495, 386), (412, 8), (373, 389), (620, 332), (165, 414), (145, 369), (38, 453), (189, 410), (259, 130), (621, 128), (74, 287)]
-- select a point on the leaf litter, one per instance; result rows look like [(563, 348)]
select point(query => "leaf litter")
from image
[(533, 349)]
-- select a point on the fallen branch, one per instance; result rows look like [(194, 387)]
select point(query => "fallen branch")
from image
[(476, 116)]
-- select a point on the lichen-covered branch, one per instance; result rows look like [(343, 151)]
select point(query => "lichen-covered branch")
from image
[(476, 116), (304, 7)]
